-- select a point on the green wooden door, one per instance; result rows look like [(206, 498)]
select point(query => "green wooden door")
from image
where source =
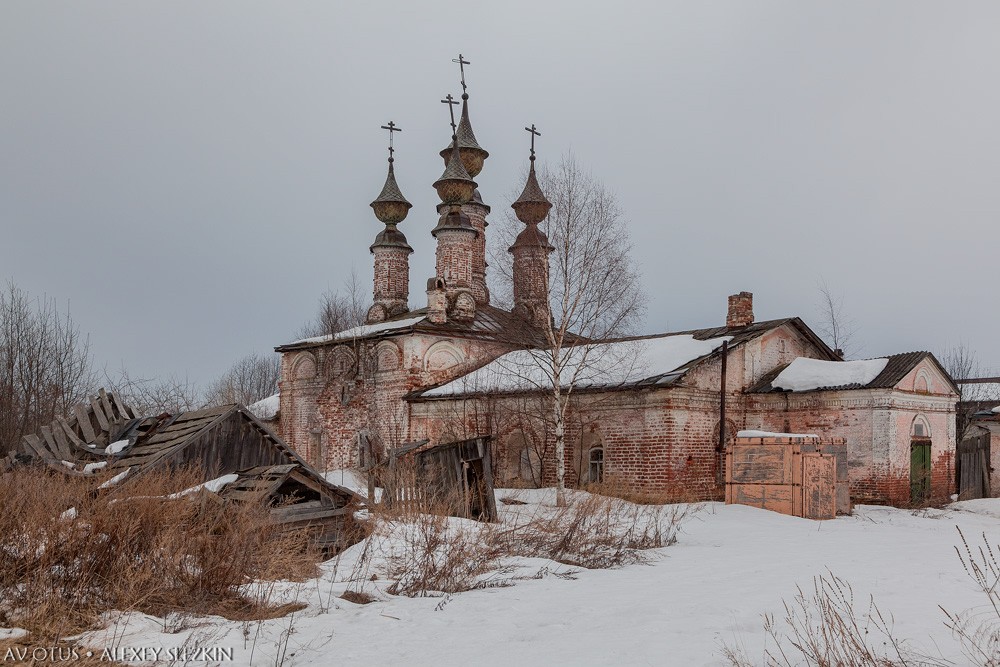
[(920, 471)]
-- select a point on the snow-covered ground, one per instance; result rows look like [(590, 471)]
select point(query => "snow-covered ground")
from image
[(731, 565)]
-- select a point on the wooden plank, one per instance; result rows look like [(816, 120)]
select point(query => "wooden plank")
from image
[(35, 446), (102, 419), (106, 404), (985, 467), (51, 443), (70, 433), (120, 407), (83, 419), (285, 514), (62, 441)]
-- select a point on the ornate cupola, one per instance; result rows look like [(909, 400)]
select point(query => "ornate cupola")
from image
[(473, 156), (391, 251), (531, 249), (455, 234)]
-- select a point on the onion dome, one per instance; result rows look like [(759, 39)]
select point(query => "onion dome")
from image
[(532, 206), (472, 154), (391, 206), (455, 185)]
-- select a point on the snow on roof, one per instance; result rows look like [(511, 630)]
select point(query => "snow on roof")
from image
[(266, 408), (596, 365), (771, 434), (363, 331), (805, 374)]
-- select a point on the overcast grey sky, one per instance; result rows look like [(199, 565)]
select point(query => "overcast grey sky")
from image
[(191, 176)]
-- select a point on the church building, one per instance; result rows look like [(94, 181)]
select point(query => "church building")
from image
[(447, 369)]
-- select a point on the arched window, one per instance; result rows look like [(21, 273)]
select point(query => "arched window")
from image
[(922, 383), (595, 472), (920, 429), (304, 367), (524, 466)]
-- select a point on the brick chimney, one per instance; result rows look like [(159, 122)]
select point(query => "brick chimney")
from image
[(740, 310)]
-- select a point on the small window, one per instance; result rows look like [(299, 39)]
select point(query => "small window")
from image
[(596, 470), (920, 428)]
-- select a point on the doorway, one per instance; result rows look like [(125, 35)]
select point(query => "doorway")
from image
[(920, 471)]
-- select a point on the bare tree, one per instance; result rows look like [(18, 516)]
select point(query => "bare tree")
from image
[(594, 293), (151, 396), (837, 328), (45, 364), (252, 378), (338, 309), (961, 363)]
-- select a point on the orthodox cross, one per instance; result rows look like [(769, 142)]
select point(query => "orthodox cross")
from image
[(451, 102), (534, 133), (392, 128), (461, 66)]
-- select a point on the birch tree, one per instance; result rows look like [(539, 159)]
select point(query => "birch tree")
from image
[(594, 294)]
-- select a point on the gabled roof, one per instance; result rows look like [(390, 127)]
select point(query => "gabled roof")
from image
[(660, 360), (489, 323), (897, 367)]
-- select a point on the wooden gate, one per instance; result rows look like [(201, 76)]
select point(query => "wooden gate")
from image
[(972, 470)]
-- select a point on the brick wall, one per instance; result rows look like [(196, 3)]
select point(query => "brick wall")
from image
[(330, 393)]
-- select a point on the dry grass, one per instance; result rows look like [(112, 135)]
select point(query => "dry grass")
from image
[(824, 627), (979, 633), (134, 549)]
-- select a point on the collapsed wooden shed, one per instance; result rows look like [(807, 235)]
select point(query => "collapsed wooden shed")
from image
[(794, 474), (106, 441), (455, 478)]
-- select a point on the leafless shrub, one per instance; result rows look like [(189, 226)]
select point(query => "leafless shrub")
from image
[(135, 549), (429, 554), (594, 531), (440, 558), (979, 633), (826, 628)]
